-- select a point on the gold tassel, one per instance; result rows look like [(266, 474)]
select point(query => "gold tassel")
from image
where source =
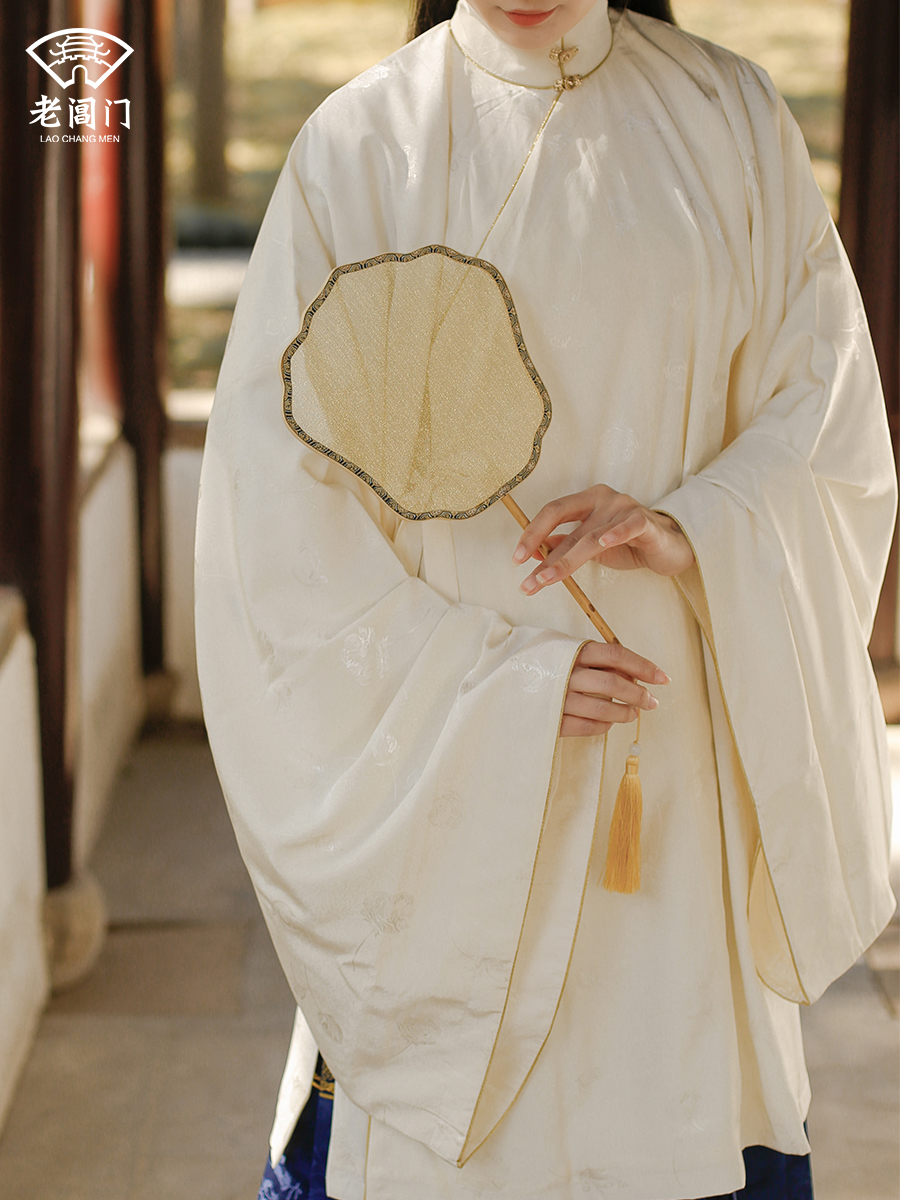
[(623, 855)]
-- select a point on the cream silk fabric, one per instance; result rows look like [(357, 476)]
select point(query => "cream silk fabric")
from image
[(383, 702)]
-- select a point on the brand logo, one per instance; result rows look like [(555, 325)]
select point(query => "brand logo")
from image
[(95, 53)]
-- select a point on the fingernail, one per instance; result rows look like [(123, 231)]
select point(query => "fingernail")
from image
[(519, 555), (528, 586), (652, 703), (661, 677), (546, 576)]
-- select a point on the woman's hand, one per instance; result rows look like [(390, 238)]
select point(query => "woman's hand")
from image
[(603, 692), (614, 530)]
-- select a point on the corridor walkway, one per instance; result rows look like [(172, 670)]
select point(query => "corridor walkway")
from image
[(155, 1079)]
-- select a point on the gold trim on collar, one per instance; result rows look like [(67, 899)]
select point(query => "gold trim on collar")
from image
[(559, 54)]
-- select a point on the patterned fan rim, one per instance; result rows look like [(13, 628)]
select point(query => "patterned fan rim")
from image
[(360, 472)]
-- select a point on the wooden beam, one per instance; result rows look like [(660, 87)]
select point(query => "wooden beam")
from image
[(141, 298), (870, 222), (210, 119), (38, 400)]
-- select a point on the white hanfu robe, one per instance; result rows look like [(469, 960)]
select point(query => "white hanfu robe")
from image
[(383, 702)]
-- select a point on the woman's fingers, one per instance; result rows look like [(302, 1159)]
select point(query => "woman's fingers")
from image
[(583, 727), (621, 660), (552, 541), (613, 687), (557, 512), (613, 528), (572, 551), (634, 533), (637, 524), (568, 551), (598, 709), (603, 690)]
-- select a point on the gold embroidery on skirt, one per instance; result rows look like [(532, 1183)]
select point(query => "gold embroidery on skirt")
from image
[(323, 1080)]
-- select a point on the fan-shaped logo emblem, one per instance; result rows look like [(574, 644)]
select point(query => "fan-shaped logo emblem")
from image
[(64, 53)]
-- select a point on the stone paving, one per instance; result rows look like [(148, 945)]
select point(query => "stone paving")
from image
[(155, 1079)]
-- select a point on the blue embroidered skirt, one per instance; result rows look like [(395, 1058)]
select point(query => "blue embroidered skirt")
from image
[(300, 1172)]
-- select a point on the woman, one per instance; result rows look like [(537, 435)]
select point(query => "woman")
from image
[(411, 737)]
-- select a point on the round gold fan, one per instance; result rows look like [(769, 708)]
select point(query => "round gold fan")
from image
[(410, 370)]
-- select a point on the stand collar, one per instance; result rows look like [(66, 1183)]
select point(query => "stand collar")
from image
[(532, 68)]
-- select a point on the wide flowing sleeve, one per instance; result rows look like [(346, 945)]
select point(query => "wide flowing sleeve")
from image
[(386, 754), (791, 525)]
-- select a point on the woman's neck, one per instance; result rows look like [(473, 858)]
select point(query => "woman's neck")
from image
[(590, 39)]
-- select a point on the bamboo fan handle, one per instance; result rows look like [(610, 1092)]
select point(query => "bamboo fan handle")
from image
[(583, 603)]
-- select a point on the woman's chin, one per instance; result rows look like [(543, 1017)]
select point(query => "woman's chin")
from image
[(528, 27), (527, 37)]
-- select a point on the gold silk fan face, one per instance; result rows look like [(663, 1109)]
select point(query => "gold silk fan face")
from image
[(410, 370)]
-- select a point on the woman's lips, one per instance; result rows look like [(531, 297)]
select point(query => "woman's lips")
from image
[(529, 18)]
